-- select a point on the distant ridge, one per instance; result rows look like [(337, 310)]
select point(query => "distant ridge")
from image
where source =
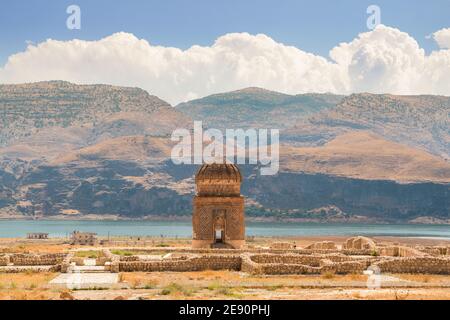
[(105, 150), (27, 110), (256, 107)]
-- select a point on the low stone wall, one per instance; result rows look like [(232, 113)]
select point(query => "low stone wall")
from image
[(199, 263), (282, 246), (277, 268), (65, 264), (260, 263), (250, 266), (422, 265), (436, 251), (401, 251), (346, 267), (327, 245), (295, 264), (154, 250), (36, 260), (359, 243), (4, 260), (129, 258), (102, 261), (359, 252), (79, 261), (304, 251), (34, 269), (310, 260)]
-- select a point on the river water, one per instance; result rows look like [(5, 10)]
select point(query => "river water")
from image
[(57, 228)]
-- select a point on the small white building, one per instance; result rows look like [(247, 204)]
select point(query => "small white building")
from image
[(37, 235)]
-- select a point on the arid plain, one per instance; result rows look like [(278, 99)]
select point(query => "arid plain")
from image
[(215, 284)]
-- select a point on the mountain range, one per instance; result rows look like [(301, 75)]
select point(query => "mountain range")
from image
[(77, 151)]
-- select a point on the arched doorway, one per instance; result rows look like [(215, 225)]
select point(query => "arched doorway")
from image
[(219, 229)]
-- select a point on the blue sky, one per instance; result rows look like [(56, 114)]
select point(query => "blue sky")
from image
[(315, 26), (290, 46)]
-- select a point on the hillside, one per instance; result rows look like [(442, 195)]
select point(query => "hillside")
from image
[(256, 107), (72, 150), (363, 155), (56, 108), (140, 149), (418, 121)]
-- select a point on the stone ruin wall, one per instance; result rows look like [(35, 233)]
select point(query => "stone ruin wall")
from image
[(294, 264), (198, 263), (436, 251), (34, 269), (65, 264), (290, 263), (150, 251), (400, 251), (32, 259), (421, 265), (18, 262), (255, 264), (355, 258), (4, 260)]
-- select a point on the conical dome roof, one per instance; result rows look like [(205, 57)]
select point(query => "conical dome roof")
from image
[(219, 171), (218, 179)]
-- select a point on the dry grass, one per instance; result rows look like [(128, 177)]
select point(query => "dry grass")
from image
[(328, 275), (34, 248), (139, 280), (175, 289), (221, 285), (29, 295), (92, 254), (24, 280), (391, 294), (426, 278), (26, 286), (212, 281)]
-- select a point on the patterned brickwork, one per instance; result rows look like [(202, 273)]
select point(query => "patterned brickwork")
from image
[(218, 207)]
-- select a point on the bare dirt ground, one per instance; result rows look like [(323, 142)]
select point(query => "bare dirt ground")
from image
[(223, 284), (236, 285), (227, 285)]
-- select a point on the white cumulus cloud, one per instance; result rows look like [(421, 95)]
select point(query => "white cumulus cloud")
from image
[(383, 60), (442, 38)]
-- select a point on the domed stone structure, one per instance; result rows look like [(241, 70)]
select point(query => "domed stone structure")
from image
[(218, 217)]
